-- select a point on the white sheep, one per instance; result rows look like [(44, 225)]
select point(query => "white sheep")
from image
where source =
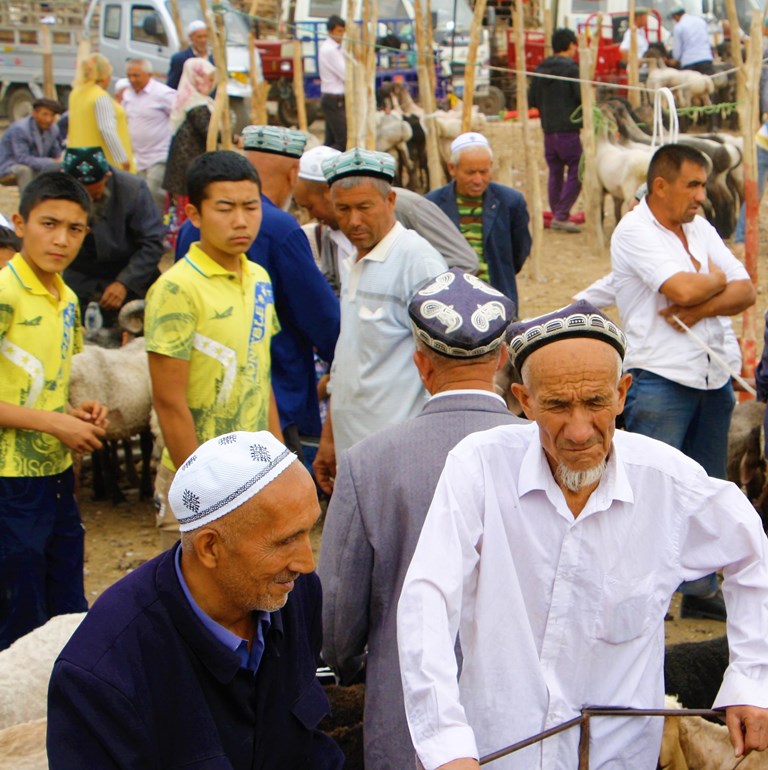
[(25, 668), (693, 743), (22, 747)]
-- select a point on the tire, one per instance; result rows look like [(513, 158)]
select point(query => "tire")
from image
[(19, 104), (288, 115), (493, 102)]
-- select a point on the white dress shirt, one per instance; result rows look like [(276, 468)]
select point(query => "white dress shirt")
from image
[(557, 613), (642, 42), (374, 383), (148, 112), (332, 66), (645, 254), (690, 42)]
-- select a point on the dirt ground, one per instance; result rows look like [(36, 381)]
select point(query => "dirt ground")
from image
[(120, 538)]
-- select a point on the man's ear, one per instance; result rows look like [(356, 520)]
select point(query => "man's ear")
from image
[(452, 170), (18, 224), (193, 215), (207, 544), (520, 392), (424, 365)]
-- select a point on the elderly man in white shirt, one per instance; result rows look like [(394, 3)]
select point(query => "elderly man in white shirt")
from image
[(333, 67), (670, 264), (553, 550), (148, 104), (690, 43)]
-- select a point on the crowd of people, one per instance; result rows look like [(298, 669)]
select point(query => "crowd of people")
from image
[(492, 573)]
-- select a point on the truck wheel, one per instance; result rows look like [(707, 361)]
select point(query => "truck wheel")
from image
[(491, 103), (20, 104), (288, 115)]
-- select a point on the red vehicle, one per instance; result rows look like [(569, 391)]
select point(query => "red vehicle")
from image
[(609, 68)]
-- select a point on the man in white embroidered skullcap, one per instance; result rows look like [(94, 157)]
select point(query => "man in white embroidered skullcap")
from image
[(197, 32), (413, 211), (210, 649), (492, 217)]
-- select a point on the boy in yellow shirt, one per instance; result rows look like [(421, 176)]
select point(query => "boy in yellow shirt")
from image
[(41, 535), (208, 324)]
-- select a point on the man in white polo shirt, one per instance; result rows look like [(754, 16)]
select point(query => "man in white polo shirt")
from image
[(333, 66), (669, 264)]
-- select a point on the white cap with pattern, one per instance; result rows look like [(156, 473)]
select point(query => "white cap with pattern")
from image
[(224, 473)]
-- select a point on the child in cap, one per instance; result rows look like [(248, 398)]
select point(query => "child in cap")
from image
[(41, 535)]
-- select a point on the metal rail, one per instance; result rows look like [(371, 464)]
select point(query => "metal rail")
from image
[(583, 722)]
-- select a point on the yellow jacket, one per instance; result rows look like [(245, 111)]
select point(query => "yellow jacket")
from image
[(83, 128)]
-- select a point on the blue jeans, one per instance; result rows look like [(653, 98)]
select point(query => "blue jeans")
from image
[(762, 172), (694, 421), (41, 553)]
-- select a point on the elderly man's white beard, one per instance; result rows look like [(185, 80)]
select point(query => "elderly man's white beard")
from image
[(577, 480)]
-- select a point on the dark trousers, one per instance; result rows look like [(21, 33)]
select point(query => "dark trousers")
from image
[(562, 151), (705, 67), (41, 553), (335, 116)]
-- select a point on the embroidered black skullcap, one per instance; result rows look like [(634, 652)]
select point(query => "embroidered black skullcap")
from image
[(460, 316), (581, 319), (87, 164)]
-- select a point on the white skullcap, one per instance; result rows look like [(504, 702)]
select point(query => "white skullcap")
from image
[(196, 26), (224, 473), (311, 162), (121, 85), (470, 139)]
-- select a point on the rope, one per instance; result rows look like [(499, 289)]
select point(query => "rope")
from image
[(716, 358), (658, 137)]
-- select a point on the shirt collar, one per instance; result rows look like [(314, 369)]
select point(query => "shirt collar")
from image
[(207, 266), (535, 474), (380, 251), (645, 209), (26, 278), (230, 640), (467, 392)]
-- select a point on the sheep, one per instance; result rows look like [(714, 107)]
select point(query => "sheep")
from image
[(693, 743), (693, 671), (392, 135), (118, 378), (691, 88), (621, 170), (22, 747), (746, 463), (25, 668)]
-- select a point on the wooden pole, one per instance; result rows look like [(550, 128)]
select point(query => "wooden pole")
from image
[(590, 185), (594, 45), (548, 30), (49, 87), (749, 118), (220, 118), (173, 6), (370, 17), (349, 78), (427, 98), (633, 70), (430, 35), (533, 182), (298, 86), (259, 85), (470, 67)]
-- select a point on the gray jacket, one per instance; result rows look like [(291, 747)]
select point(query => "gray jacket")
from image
[(384, 486)]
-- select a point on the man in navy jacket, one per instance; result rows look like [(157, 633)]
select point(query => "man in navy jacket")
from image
[(197, 32), (493, 218), (205, 657)]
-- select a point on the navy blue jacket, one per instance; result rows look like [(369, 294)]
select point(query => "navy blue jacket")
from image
[(177, 66), (306, 307), (506, 240), (142, 685)]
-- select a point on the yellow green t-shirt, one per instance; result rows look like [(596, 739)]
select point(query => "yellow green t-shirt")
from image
[(199, 312), (38, 336)]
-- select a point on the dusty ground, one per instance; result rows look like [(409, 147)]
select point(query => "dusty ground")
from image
[(119, 538)]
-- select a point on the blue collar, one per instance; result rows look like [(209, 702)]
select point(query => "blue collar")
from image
[(224, 636)]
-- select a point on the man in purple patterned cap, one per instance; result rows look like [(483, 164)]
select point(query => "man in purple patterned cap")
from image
[(553, 550)]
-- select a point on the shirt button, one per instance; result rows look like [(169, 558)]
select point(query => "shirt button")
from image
[(231, 277)]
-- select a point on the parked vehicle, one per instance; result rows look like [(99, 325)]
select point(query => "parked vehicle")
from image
[(119, 29)]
